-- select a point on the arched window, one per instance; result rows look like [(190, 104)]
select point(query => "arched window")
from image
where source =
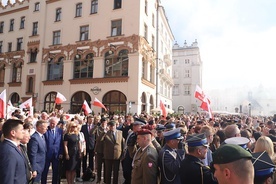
[(116, 65), (55, 69), (115, 101), (16, 72), (144, 102), (15, 99), (83, 68), (77, 101), (151, 102), (49, 102)]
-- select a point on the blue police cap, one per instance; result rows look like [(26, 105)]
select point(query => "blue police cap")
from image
[(241, 141), (138, 121), (172, 134), (197, 140)]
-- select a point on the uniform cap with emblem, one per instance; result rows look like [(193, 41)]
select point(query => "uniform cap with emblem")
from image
[(144, 132), (263, 165), (197, 140), (138, 121), (229, 153), (241, 141), (173, 134), (160, 127), (169, 126)]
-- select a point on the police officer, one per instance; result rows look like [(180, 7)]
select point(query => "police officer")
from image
[(145, 160), (193, 171), (169, 158)]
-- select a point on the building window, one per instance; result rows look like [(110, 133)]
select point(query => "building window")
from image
[(77, 101), (30, 88), (146, 31), (94, 6), (19, 44), (176, 89), (153, 20), (22, 23), (84, 30), (36, 7), (9, 46), (2, 72), (146, 7), (1, 27), (35, 28), (1, 46), (175, 74), (175, 62), (117, 4), (116, 65), (187, 90), (79, 10), (187, 61), (55, 69), (115, 102), (187, 73), (11, 24), (151, 74), (49, 102), (56, 37), (16, 72), (58, 14), (33, 56), (83, 68), (144, 70), (153, 42), (116, 28)]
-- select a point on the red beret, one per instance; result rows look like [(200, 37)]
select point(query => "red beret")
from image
[(144, 132)]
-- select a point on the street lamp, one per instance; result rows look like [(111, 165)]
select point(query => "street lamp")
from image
[(249, 109)]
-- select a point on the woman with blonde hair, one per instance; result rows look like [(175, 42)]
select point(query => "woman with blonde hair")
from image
[(72, 150), (264, 143)]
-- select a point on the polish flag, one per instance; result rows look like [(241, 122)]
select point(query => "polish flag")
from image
[(3, 104), (205, 105), (163, 109), (27, 104), (98, 104), (60, 98), (86, 108)]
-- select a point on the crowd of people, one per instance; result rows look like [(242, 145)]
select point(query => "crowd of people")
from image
[(151, 149)]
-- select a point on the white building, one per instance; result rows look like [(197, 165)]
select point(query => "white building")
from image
[(117, 51), (187, 73)]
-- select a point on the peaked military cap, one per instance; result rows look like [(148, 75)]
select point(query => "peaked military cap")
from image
[(173, 134), (138, 121), (262, 163), (197, 140), (241, 141), (160, 127), (229, 153), (170, 126)]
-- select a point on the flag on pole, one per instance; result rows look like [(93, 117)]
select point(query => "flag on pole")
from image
[(60, 98), (86, 108), (27, 104), (3, 104), (163, 109), (205, 102), (98, 104)]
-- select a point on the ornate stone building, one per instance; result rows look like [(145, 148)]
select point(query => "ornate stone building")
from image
[(117, 51)]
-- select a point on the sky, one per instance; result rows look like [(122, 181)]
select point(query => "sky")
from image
[(236, 39)]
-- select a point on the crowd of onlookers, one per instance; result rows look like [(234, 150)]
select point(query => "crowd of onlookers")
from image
[(92, 147)]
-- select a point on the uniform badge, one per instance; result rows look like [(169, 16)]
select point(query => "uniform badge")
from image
[(149, 164)]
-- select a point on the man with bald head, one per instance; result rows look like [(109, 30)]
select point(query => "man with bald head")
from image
[(232, 131)]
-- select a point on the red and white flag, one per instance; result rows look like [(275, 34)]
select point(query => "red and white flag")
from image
[(3, 104), (86, 108), (205, 105), (163, 109), (27, 104), (98, 104), (60, 98)]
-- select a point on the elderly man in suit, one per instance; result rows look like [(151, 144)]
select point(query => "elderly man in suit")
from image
[(54, 143), (145, 160), (113, 144), (12, 161), (37, 150)]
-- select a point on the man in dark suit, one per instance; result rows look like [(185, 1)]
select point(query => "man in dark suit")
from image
[(90, 143), (54, 143), (37, 150), (13, 166), (23, 148)]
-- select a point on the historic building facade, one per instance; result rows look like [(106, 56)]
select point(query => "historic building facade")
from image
[(187, 73), (117, 51)]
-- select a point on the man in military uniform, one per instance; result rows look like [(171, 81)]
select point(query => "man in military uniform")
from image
[(232, 165), (193, 171), (145, 160), (169, 158)]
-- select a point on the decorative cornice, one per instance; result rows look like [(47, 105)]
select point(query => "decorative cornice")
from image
[(51, 1), (148, 83), (14, 84), (52, 82), (14, 11), (99, 80)]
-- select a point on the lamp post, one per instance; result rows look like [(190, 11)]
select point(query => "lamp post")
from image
[(129, 107), (249, 109)]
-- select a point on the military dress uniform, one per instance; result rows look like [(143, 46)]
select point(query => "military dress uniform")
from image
[(145, 166), (193, 171)]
